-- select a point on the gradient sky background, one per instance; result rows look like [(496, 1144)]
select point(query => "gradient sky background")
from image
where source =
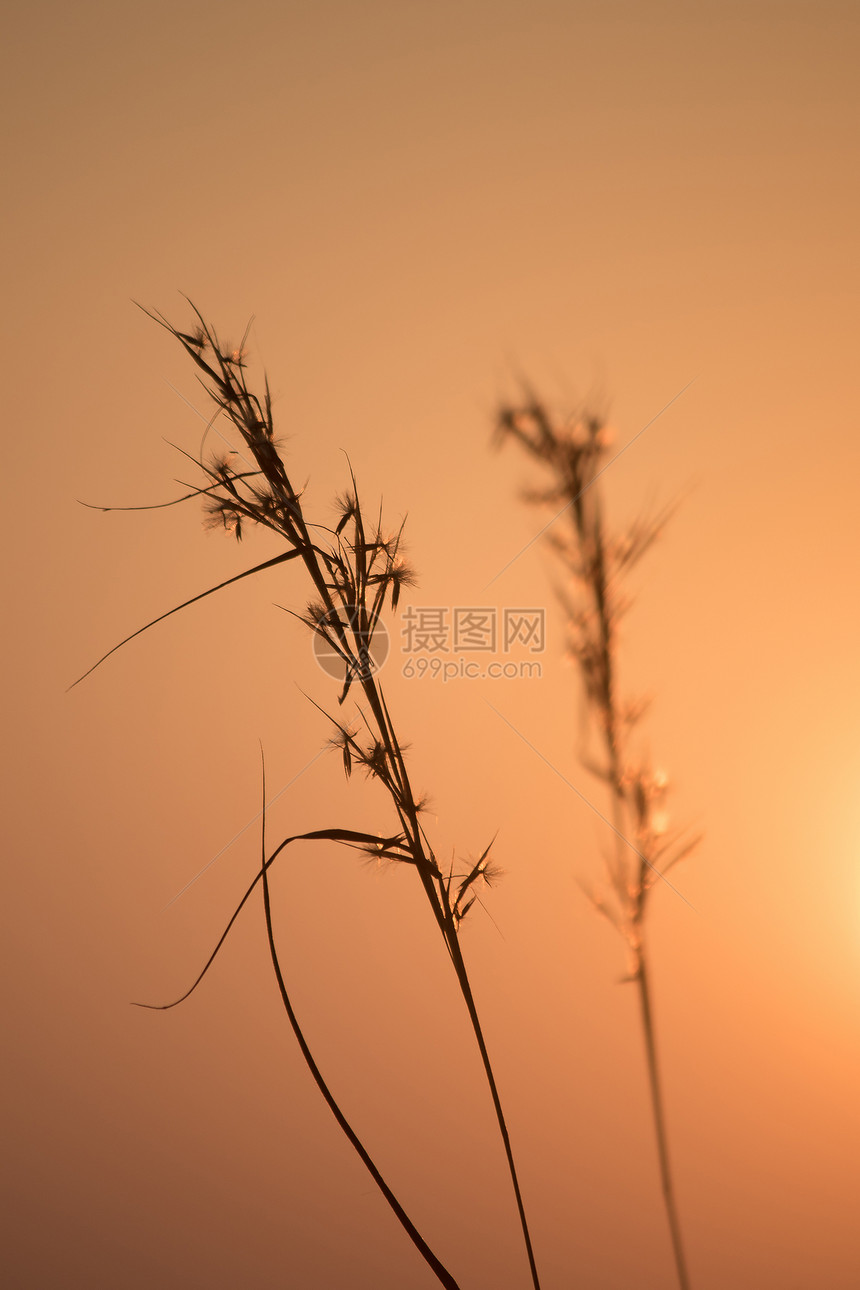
[(418, 202)]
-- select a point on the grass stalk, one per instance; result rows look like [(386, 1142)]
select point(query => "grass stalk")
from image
[(574, 453), (667, 1185), (354, 571)]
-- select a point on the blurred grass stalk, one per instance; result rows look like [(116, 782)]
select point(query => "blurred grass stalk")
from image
[(575, 454), (354, 569)]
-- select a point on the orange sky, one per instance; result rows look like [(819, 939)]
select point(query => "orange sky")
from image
[(417, 203)]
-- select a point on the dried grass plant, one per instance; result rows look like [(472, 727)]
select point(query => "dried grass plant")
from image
[(575, 453), (354, 571)]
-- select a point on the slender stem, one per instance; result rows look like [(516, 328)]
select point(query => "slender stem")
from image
[(441, 1272), (642, 981), (460, 969), (438, 898)]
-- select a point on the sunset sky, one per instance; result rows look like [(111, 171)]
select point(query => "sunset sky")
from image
[(653, 206)]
